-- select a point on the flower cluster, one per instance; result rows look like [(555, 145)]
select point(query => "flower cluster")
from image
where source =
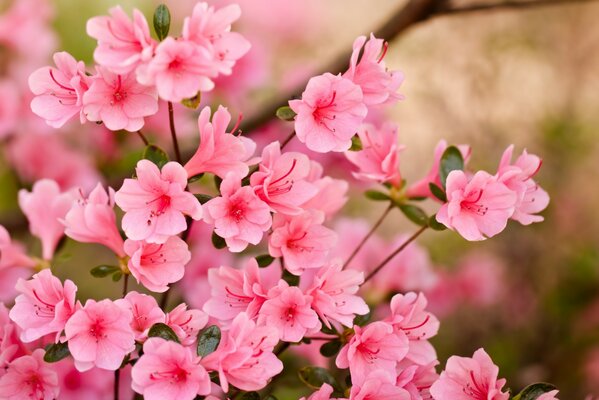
[(164, 228)]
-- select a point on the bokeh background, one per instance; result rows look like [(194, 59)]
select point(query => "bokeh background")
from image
[(529, 76)]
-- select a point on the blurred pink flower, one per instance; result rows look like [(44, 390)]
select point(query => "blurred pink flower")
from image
[(549, 395), (44, 305), (329, 113), (469, 378), (100, 335), (238, 214), (478, 207), (156, 203), (119, 101), (179, 70), (288, 310), (45, 207), (479, 279), (367, 70), (9, 107), (95, 384), (59, 91), (14, 265), (324, 393), (123, 44), (378, 161), (29, 377), (92, 220), (302, 240), (11, 347), (156, 265), (186, 323), (168, 370), (220, 152), (145, 313), (281, 180)]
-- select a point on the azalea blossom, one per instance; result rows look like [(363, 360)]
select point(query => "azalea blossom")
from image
[(92, 219), (478, 207), (59, 91), (238, 214), (302, 240), (14, 265), (11, 347), (156, 265), (281, 180), (145, 311), (220, 152), (329, 113), (100, 335), (378, 385), (156, 203), (119, 101), (44, 305), (324, 393), (469, 379), (331, 195), (169, 370), (45, 207), (549, 395), (123, 44), (186, 323), (29, 377)]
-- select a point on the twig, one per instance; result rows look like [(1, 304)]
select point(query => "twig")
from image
[(504, 5), (171, 121), (117, 379), (143, 138), (287, 140)]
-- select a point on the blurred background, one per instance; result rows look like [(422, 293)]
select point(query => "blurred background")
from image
[(529, 77)]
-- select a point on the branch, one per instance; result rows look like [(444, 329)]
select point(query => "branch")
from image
[(507, 5)]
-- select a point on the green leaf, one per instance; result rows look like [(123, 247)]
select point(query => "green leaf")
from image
[(156, 155), (102, 271), (376, 195), (315, 377), (251, 396), (218, 241), (117, 276), (208, 340), (270, 397), (329, 349), (162, 21), (285, 113), (203, 198), (362, 320), (414, 214), (193, 102), (356, 143), (291, 279), (264, 260), (217, 181), (437, 192), (163, 331), (451, 160), (434, 224), (56, 352), (329, 331), (195, 178), (532, 392)]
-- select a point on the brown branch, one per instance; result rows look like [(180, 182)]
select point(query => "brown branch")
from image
[(504, 5)]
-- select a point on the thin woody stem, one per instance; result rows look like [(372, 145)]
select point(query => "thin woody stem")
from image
[(117, 378), (171, 121), (395, 252), (368, 235), (287, 140), (143, 138)]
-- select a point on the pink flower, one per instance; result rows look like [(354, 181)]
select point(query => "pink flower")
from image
[(302, 241), (167, 370), (156, 203), (14, 265), (45, 206), (408, 315), (532, 199), (244, 357), (119, 101), (186, 323), (212, 28), (329, 113), (145, 313), (477, 208), (378, 385), (44, 305), (92, 220), (549, 395), (281, 180), (367, 70), (288, 310), (333, 294), (95, 384), (122, 44), (378, 160), (421, 187), (29, 377), (9, 107), (374, 347), (417, 379), (220, 152), (469, 379), (155, 265), (179, 70), (324, 393), (59, 91), (11, 347), (238, 214), (331, 195), (100, 335), (235, 291)]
